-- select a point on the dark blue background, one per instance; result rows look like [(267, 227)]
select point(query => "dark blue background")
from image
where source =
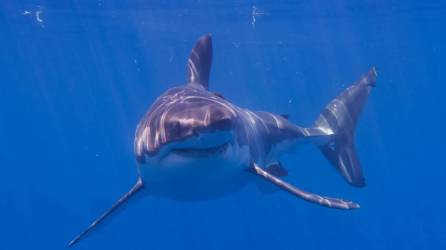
[(74, 85)]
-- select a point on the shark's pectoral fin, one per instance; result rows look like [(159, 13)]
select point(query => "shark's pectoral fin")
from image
[(275, 169), (137, 187), (320, 200)]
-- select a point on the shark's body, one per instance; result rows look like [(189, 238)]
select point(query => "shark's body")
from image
[(195, 145), (214, 163)]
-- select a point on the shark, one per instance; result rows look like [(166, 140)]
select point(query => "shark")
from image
[(195, 145)]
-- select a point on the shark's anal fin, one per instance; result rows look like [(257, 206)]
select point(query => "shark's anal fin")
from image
[(277, 169), (320, 200), (137, 187)]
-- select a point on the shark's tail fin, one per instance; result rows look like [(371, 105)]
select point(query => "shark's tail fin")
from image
[(339, 119)]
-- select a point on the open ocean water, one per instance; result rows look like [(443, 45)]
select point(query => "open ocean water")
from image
[(77, 76)]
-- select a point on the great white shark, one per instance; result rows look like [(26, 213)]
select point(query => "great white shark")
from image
[(195, 145)]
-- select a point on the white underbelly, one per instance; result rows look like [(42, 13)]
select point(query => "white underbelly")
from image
[(188, 178)]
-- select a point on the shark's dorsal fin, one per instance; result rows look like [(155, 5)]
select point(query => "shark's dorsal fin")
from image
[(219, 95), (285, 116), (199, 62)]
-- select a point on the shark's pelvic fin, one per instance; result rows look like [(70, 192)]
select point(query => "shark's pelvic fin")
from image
[(320, 200), (277, 169), (199, 62), (339, 119), (137, 187)]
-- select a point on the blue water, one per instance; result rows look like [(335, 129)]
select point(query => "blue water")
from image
[(76, 77)]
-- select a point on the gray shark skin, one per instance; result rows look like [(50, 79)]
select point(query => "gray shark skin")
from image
[(194, 145)]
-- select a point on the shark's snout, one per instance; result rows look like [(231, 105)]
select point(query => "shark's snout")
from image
[(183, 119), (181, 127), (194, 119)]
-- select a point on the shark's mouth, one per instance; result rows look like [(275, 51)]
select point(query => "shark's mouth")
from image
[(201, 145), (200, 152)]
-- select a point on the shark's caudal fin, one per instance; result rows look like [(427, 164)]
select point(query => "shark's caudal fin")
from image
[(339, 118), (137, 187), (199, 62)]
